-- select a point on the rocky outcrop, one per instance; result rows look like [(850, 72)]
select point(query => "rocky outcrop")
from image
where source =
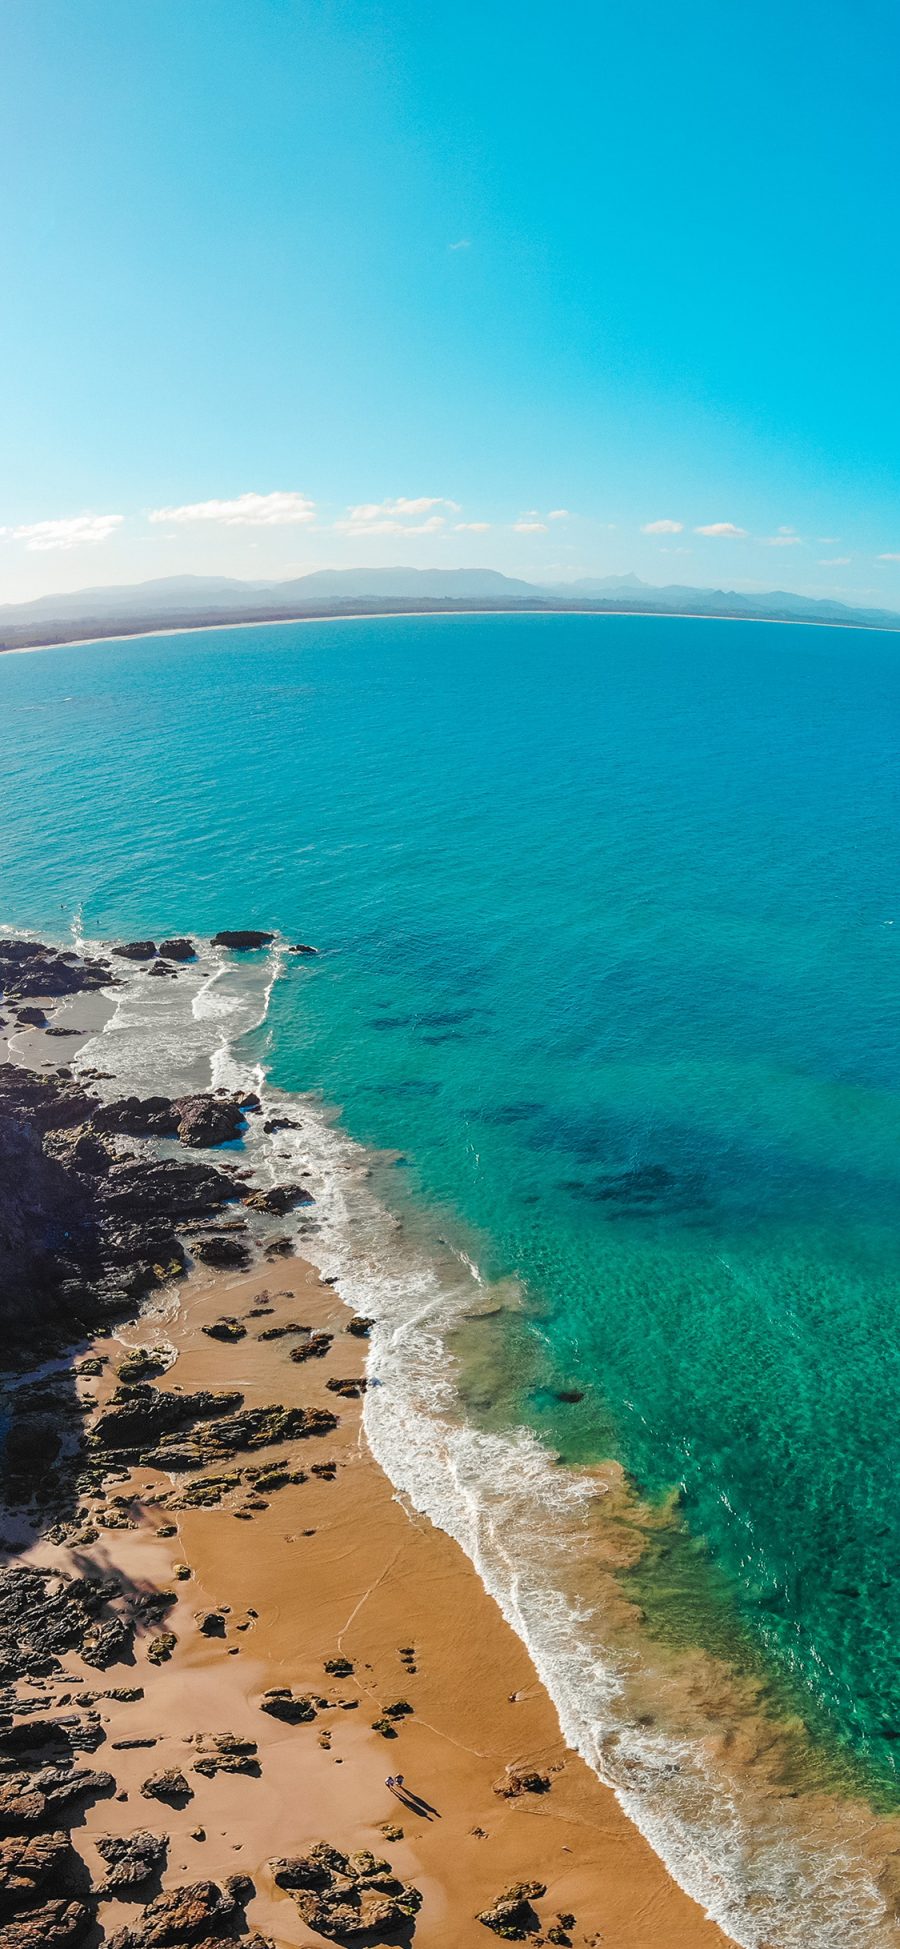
[(511, 1915), (165, 1187), (220, 1250), (137, 1116), (204, 1121), (141, 1415), (137, 951), (279, 1198), (242, 937), (44, 1614), (282, 1703), (522, 1779), (27, 969), (131, 1860), (178, 949), (347, 1896), (169, 1786), (199, 1913)]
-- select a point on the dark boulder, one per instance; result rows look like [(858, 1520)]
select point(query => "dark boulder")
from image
[(242, 937), (178, 950), (278, 1199), (222, 1251), (137, 951), (302, 947), (207, 1120), (32, 1018)]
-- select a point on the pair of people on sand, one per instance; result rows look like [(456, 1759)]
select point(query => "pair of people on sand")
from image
[(395, 1782)]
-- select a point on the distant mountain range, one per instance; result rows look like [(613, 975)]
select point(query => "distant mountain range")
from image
[(186, 601)]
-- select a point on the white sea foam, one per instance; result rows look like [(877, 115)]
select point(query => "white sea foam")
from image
[(751, 1858)]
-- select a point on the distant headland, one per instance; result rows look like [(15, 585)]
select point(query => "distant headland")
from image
[(209, 602)]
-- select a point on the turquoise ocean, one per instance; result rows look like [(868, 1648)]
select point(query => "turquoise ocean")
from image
[(598, 1074)]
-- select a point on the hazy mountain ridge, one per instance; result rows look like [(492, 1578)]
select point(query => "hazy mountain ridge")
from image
[(175, 601)]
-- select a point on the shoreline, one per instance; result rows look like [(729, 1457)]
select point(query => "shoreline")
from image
[(398, 615), (524, 1543), (334, 1565)]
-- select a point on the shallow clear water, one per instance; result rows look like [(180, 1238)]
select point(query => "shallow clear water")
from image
[(607, 915)]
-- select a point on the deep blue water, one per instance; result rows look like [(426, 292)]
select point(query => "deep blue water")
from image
[(607, 909)]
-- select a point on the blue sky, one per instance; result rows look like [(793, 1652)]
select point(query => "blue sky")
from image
[(618, 264)]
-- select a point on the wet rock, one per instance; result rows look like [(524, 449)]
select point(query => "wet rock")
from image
[(165, 1187), (136, 951), (178, 949), (211, 1624), (28, 968), (32, 1018), (349, 1390), (279, 1199), (138, 1116), (142, 1415), (204, 1121), (302, 947), (46, 1102), (360, 1327), (169, 1785), (142, 1363), (131, 1859), (242, 937), (254, 1428), (313, 1348), (281, 1703), (198, 1913), (344, 1896), (222, 1251), (279, 1248), (522, 1779), (338, 1667), (512, 1915), (226, 1328)]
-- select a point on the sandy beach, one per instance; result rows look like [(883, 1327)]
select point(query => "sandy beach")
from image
[(300, 1572)]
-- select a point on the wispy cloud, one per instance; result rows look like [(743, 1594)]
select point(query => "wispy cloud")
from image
[(471, 527), (70, 533), (524, 527), (785, 538), (662, 528), (722, 531), (395, 517), (245, 511), (558, 514), (836, 561), (889, 558), (462, 243)]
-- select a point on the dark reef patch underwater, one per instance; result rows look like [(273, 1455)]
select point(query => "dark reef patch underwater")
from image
[(607, 909)]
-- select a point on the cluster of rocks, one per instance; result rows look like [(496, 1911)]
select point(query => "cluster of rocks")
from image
[(345, 1896)]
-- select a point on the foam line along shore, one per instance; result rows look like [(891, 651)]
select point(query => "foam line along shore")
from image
[(770, 1868)]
